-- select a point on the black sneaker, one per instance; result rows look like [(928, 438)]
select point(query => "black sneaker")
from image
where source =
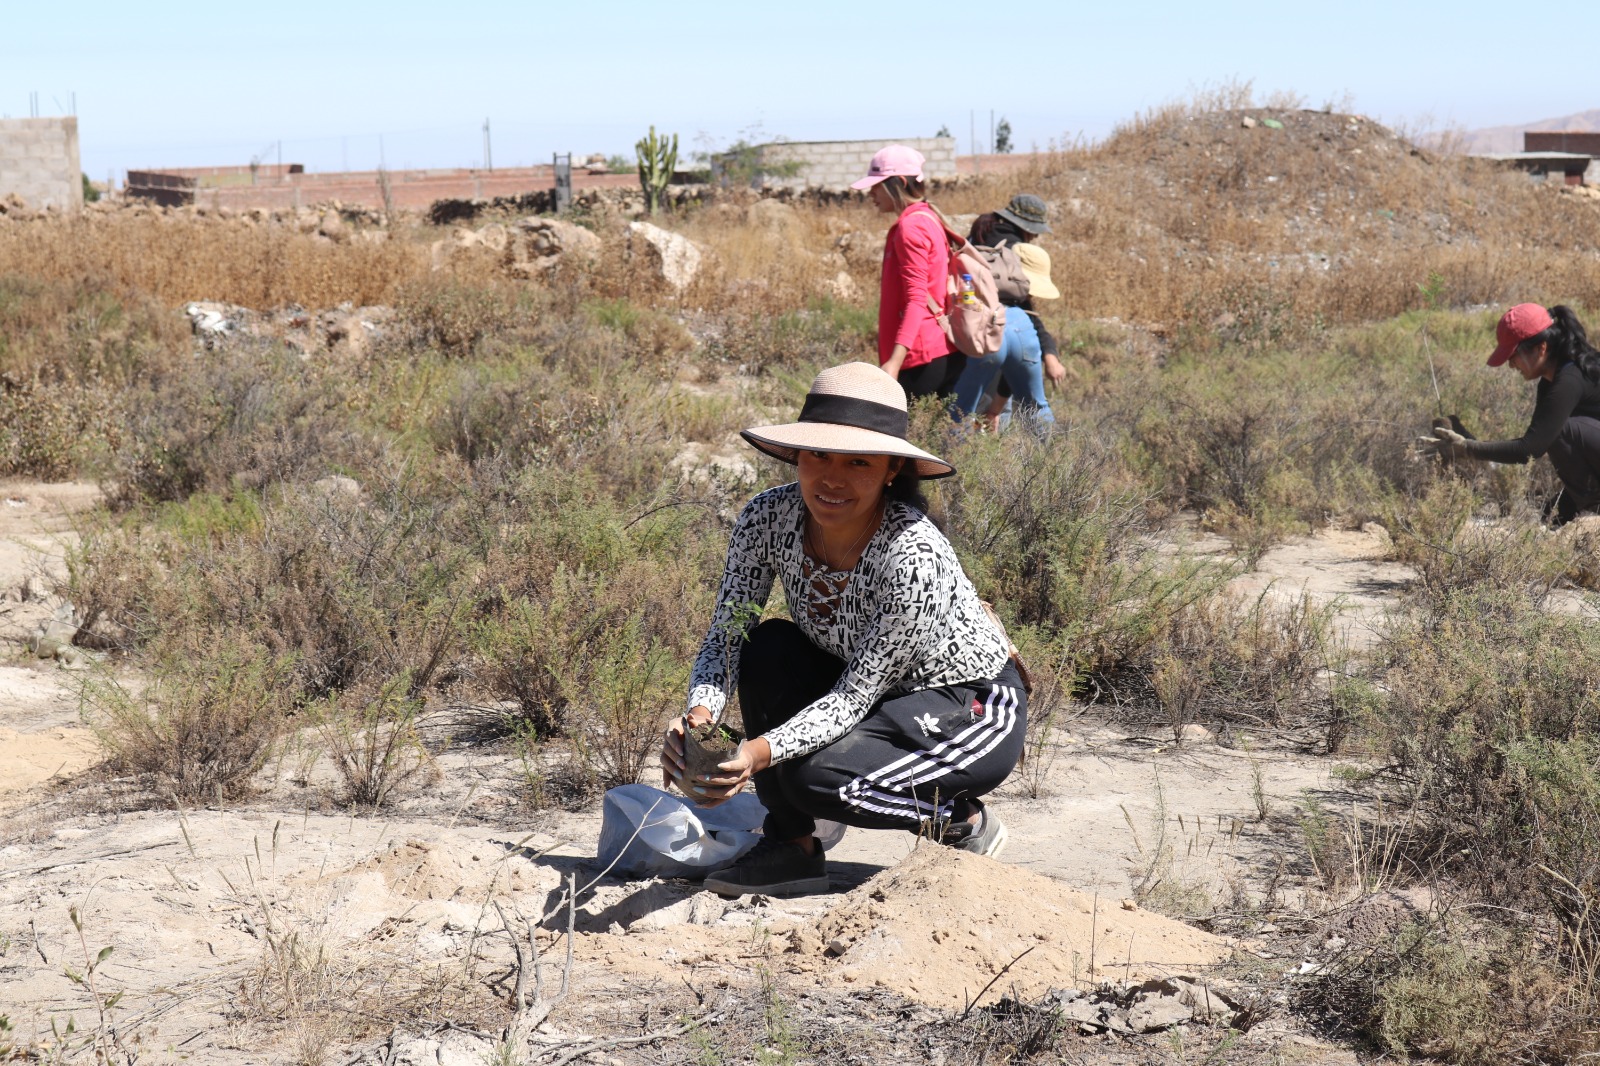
[(772, 868), (987, 837)]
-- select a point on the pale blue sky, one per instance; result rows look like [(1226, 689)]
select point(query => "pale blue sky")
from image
[(186, 83)]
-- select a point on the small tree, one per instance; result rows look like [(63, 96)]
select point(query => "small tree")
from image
[(1002, 137), (90, 193), (944, 131), (658, 159)]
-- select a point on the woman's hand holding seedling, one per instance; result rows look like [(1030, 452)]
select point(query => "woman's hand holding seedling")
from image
[(673, 761), (753, 756)]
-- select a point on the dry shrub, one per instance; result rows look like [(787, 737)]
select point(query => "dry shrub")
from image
[(57, 431), (206, 721), (825, 332), (455, 316), (240, 418), (68, 351), (785, 259), (174, 258), (81, 331), (596, 626), (315, 989), (1488, 710), (1056, 536), (1441, 535), (1445, 988), (1258, 662), (373, 738), (361, 603)]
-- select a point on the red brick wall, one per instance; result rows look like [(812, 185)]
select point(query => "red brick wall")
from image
[(1583, 143)]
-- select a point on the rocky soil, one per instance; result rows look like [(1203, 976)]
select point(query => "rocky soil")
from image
[(287, 929)]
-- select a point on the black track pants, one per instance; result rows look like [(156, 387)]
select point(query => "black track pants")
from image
[(1576, 456), (937, 378), (923, 755)]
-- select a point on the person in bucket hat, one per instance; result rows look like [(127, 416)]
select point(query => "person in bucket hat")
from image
[(912, 346), (1029, 355), (892, 700), (1027, 213), (1549, 346)]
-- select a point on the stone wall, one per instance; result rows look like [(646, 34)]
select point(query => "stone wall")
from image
[(240, 189), (39, 162), (832, 164)]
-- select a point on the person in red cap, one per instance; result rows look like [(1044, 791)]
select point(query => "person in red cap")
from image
[(912, 347), (1552, 348)]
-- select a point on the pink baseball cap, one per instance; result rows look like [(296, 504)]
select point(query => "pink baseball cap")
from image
[(1517, 325), (894, 161)]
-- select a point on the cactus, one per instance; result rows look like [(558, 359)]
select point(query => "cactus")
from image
[(658, 158)]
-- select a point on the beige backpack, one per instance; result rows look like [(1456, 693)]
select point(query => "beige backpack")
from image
[(975, 326)]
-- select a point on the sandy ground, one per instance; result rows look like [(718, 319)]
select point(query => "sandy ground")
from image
[(40, 734), (233, 930)]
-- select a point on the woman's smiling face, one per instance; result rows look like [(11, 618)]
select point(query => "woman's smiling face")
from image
[(842, 491)]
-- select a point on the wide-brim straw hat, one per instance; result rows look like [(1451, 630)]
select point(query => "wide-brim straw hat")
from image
[(1036, 267), (857, 409)]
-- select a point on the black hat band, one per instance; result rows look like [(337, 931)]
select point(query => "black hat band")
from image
[(850, 411)]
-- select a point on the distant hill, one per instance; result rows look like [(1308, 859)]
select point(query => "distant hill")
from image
[(1509, 138)]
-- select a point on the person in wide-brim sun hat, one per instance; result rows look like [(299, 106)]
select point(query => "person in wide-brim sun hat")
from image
[(893, 699), (855, 409)]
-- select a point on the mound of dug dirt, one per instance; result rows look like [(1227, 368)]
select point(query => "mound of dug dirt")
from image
[(941, 924)]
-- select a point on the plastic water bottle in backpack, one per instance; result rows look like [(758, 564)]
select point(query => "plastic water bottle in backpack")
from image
[(969, 292)]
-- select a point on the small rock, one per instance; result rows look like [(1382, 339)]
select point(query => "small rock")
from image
[(1248, 123), (772, 215), (337, 486), (1130, 905), (332, 226), (1203, 1000), (536, 245), (675, 257), (43, 647), (1152, 1014), (494, 236), (838, 946), (1196, 734)]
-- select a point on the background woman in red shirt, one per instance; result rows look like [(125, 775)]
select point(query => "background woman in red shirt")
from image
[(912, 346)]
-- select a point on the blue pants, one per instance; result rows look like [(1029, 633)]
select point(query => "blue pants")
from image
[(1019, 361)]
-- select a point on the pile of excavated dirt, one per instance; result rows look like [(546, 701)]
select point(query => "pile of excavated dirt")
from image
[(942, 923)]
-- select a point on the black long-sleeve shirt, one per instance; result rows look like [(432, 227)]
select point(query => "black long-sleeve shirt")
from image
[(1568, 393)]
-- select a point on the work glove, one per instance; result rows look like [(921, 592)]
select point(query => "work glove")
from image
[(1444, 442)]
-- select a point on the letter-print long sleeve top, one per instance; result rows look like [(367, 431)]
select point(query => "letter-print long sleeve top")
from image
[(909, 618)]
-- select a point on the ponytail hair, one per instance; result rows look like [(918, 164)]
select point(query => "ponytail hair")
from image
[(905, 191), (1568, 342)]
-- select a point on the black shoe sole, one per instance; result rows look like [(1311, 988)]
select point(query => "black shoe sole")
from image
[(799, 886)]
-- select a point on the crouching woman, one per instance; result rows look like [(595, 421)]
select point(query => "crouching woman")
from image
[(1549, 346), (891, 701)]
